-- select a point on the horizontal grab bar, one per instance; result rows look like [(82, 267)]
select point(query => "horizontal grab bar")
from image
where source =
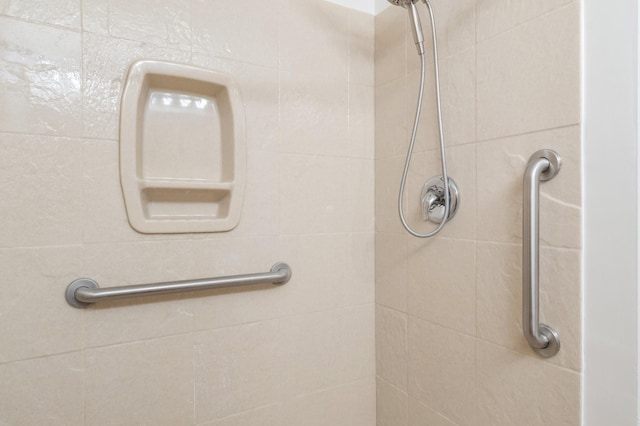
[(85, 291)]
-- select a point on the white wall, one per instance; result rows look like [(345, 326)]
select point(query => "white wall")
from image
[(610, 182)]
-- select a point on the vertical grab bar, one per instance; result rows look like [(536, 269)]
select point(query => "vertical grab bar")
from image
[(544, 340)]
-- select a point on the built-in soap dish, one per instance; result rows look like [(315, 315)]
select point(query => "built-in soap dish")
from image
[(182, 149)]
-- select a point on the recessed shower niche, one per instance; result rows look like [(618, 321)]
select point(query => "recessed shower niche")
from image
[(182, 149)]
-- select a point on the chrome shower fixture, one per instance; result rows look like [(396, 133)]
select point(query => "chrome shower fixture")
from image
[(440, 196), (416, 28)]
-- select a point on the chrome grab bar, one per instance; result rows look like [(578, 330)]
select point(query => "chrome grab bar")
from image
[(544, 340), (85, 291)]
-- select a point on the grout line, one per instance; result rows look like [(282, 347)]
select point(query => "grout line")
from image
[(530, 132)]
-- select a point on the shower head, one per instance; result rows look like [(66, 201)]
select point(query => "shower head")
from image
[(410, 5)]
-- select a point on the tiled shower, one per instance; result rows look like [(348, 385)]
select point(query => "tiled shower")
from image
[(375, 327)]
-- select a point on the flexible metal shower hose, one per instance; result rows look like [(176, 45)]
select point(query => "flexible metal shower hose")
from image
[(416, 122)]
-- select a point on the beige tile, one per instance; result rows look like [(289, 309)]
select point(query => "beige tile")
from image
[(313, 114), (516, 389), (242, 30), (231, 256), (270, 415), (314, 40), (500, 299), (114, 265), (498, 16), (391, 405), (458, 85), (390, 45), (312, 195), (321, 275), (104, 216), (391, 125), (501, 166), (40, 183), (421, 415), (161, 22), (391, 271), (38, 279), (41, 74), (106, 61), (65, 13), (442, 370), (529, 78), (442, 284), (387, 185), (461, 167), (361, 121), (349, 405), (456, 29), (260, 96), (95, 16), (361, 271), (236, 369), (327, 349), (43, 391), (148, 382), (360, 184), (391, 347), (361, 48)]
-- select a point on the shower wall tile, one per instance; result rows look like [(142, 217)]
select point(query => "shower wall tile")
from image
[(421, 415), (517, 389), (349, 405), (320, 182), (391, 119), (314, 40), (35, 283), (64, 13), (245, 30), (137, 263), (270, 415), (41, 391), (391, 347), (361, 274), (260, 93), (392, 405), (160, 22), (41, 188), (362, 195), (236, 369), (313, 115), (309, 345), (390, 50), (510, 76), (500, 299), (218, 357), (444, 294), (106, 61), (387, 182), (501, 166), (158, 376), (391, 270), (361, 121), (361, 49), (231, 256), (442, 369), (95, 16), (498, 16), (40, 67), (529, 77), (320, 279)]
